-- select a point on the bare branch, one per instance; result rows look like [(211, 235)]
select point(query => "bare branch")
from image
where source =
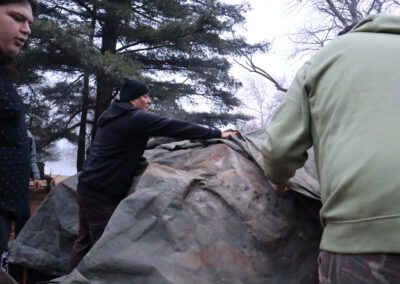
[(253, 68), (338, 14), (335, 15)]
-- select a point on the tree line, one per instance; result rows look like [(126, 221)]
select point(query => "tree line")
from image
[(80, 51)]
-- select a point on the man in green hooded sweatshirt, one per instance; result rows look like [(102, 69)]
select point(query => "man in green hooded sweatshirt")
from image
[(345, 102)]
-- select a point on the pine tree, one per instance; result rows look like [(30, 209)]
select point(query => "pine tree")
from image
[(179, 48)]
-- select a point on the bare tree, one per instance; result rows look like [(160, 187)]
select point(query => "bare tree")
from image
[(326, 19), (329, 17), (260, 100)]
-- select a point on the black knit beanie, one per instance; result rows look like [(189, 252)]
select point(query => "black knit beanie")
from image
[(132, 89)]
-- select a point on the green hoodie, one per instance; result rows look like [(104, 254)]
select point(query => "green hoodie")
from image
[(345, 102)]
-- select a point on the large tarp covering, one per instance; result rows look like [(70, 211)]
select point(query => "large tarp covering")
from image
[(201, 212), (5, 278)]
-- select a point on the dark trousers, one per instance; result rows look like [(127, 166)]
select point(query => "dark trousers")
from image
[(22, 218), (338, 268), (93, 218), (5, 228)]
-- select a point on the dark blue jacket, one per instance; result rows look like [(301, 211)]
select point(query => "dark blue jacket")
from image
[(122, 136), (14, 151)]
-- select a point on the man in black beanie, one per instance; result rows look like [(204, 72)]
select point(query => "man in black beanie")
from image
[(115, 155)]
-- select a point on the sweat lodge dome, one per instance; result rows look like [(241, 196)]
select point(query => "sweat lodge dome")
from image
[(202, 212)]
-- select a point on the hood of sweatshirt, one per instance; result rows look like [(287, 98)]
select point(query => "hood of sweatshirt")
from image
[(379, 24), (116, 110)]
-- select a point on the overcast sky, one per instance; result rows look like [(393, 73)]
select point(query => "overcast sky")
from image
[(273, 21)]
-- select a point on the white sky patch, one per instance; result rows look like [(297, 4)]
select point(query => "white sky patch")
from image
[(272, 21), (66, 164)]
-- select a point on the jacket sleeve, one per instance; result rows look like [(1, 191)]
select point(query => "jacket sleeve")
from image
[(33, 159), (289, 133), (154, 125)]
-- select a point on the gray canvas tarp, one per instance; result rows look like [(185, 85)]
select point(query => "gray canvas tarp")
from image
[(200, 213), (5, 278)]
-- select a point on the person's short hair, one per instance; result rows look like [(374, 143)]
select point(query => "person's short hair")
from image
[(33, 3)]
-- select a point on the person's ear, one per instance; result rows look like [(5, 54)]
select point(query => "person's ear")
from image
[(132, 102)]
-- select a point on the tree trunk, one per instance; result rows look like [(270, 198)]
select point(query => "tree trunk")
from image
[(82, 129), (104, 84), (81, 153)]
